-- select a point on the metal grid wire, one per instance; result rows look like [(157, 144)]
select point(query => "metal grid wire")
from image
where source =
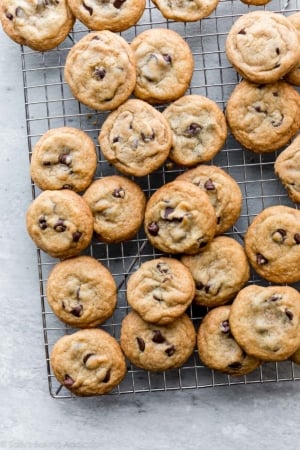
[(49, 104)]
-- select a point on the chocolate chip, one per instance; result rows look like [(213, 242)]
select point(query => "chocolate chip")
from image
[(88, 8), (235, 365), (9, 16), (258, 109), (78, 293), (277, 51), (202, 244), (96, 38), (141, 344), (276, 66), (118, 3), (297, 238), (47, 163), (275, 94), (225, 326), (167, 58), (77, 311), (162, 267), (274, 298), (157, 298), (43, 223), (115, 139), (170, 350), (65, 159), (277, 122), (289, 314), (148, 138), (260, 259), (107, 376), (86, 357), (60, 226), (76, 236), (158, 338), (207, 288), (119, 193), (153, 228), (279, 235), (242, 31), (209, 185), (199, 286), (192, 129), (68, 381), (219, 220), (99, 73), (67, 186)]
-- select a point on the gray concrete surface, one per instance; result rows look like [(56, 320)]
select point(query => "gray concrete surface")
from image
[(240, 417)]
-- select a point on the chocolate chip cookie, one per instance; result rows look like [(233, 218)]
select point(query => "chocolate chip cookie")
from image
[(135, 138), (81, 292), (217, 347), (198, 129), (272, 244), (265, 321), (60, 223), (287, 168), (63, 158), (164, 64), (100, 70), (160, 290), (157, 347), (179, 218), (293, 76), (263, 46), (88, 362), (186, 10), (113, 15), (219, 271), (265, 117), (118, 206), (223, 192), (38, 24)]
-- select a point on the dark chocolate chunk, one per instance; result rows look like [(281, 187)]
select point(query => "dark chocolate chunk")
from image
[(274, 298), (242, 31), (199, 286), (192, 129), (209, 185), (115, 139), (158, 338), (225, 326), (297, 238), (277, 51), (261, 260), (68, 381), (77, 311), (162, 267), (20, 12), (118, 3), (147, 138), (119, 193), (76, 236), (279, 235), (9, 16), (67, 186), (202, 244), (65, 158), (99, 74), (170, 350), (289, 314), (86, 357), (60, 226), (153, 228), (278, 122), (157, 298), (43, 223), (88, 8), (141, 344), (47, 163), (107, 376), (167, 58)]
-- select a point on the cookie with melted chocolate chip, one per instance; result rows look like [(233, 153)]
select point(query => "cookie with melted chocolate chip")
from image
[(100, 70), (164, 64), (185, 10), (179, 218), (118, 206), (38, 24), (136, 138), (287, 168), (60, 223), (160, 290), (81, 292), (88, 362), (263, 46), (293, 76), (265, 117), (157, 347), (63, 158), (217, 347), (265, 321), (272, 244)]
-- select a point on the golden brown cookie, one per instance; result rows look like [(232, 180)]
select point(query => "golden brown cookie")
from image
[(186, 10), (287, 168), (293, 76)]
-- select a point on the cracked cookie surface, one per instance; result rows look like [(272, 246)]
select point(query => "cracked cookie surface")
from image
[(160, 290), (81, 292), (287, 168), (118, 206), (63, 158), (265, 321), (157, 347), (186, 10), (88, 362), (272, 244), (219, 271), (100, 70), (135, 138), (164, 65), (198, 127), (265, 117), (60, 223), (38, 24), (263, 46), (179, 218), (113, 15), (217, 347), (223, 192)]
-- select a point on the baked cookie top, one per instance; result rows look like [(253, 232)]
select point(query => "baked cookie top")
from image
[(198, 129), (219, 271), (164, 65), (118, 206), (294, 75), (160, 290), (179, 218), (287, 168), (38, 24), (265, 321), (263, 46), (60, 223), (63, 158), (272, 244), (265, 117), (223, 192), (100, 70), (113, 15), (157, 347), (135, 138), (186, 10), (81, 292), (88, 362), (217, 347)]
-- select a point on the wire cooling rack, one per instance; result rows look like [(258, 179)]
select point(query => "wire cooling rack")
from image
[(49, 104)]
